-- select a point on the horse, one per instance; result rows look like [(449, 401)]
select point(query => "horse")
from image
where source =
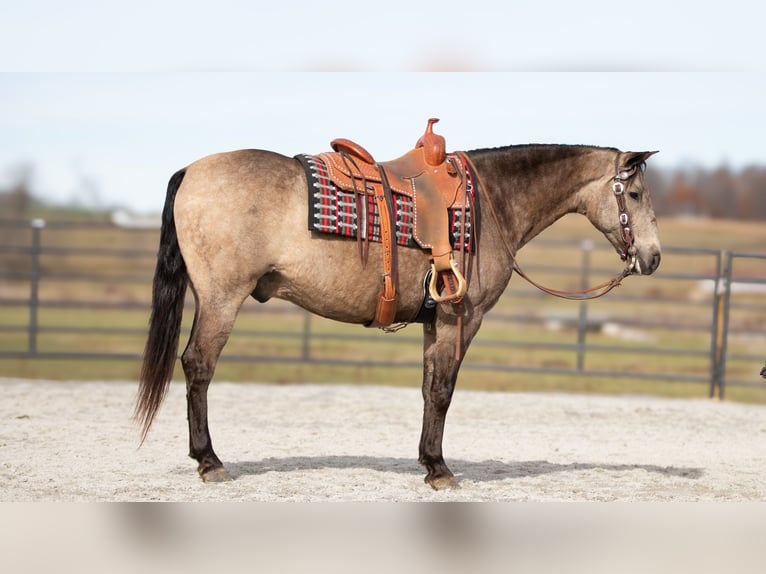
[(234, 227)]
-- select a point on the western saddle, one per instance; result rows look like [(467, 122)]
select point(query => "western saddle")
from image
[(435, 181)]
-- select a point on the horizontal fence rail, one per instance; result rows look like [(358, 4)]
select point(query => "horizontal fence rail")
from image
[(72, 290)]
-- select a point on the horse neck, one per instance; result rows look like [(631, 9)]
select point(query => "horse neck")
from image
[(531, 187)]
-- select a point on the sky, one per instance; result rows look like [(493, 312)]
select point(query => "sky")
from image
[(100, 103)]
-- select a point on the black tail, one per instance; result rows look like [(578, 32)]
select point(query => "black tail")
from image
[(168, 293)]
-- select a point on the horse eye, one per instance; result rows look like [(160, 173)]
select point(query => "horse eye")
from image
[(634, 195)]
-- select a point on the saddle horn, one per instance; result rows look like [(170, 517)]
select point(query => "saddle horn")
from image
[(434, 146)]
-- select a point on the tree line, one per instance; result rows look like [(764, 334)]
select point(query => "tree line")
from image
[(720, 193)]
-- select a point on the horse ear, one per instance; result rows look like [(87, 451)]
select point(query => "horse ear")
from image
[(636, 158)]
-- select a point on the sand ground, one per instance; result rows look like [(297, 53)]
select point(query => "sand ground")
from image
[(75, 441)]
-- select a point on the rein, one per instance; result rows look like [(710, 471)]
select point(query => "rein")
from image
[(618, 188)]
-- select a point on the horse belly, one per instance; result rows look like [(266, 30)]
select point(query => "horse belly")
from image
[(330, 281)]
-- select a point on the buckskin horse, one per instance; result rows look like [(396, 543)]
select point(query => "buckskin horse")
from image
[(234, 226)]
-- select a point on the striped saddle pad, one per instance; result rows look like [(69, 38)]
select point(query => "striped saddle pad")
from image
[(333, 210)]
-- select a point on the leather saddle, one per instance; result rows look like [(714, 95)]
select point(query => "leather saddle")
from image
[(436, 183)]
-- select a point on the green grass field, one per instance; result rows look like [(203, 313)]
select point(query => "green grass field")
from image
[(275, 330)]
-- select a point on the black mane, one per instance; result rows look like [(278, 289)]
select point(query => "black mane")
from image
[(564, 149)]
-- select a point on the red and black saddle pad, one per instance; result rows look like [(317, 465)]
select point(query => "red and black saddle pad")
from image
[(333, 210)]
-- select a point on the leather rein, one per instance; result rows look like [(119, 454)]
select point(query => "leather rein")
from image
[(626, 232)]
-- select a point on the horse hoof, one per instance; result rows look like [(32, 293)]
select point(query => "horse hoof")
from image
[(217, 474), (443, 482)]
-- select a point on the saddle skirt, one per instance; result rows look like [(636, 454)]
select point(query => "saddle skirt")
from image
[(433, 189)]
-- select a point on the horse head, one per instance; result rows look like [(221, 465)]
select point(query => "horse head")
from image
[(620, 207)]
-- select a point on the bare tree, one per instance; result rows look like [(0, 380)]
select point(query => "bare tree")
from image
[(16, 200)]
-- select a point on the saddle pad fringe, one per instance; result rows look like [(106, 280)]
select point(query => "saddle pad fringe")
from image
[(333, 210)]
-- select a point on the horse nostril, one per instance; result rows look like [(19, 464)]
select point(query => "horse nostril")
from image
[(650, 263), (656, 257)]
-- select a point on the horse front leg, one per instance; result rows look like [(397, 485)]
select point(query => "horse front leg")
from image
[(440, 370)]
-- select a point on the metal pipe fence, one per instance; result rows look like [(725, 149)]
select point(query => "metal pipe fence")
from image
[(71, 290)]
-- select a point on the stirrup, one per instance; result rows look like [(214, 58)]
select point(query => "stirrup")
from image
[(453, 294)]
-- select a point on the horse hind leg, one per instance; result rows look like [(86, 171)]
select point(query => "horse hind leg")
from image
[(210, 332)]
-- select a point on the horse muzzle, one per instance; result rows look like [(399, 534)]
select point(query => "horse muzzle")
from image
[(643, 263)]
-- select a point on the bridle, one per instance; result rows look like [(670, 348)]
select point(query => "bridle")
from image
[(629, 252), (618, 189)]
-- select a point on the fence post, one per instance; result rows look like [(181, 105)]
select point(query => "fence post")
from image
[(34, 284), (720, 327), (582, 320), (306, 337)]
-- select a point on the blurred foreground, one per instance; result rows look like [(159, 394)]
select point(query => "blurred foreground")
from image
[(328, 539)]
